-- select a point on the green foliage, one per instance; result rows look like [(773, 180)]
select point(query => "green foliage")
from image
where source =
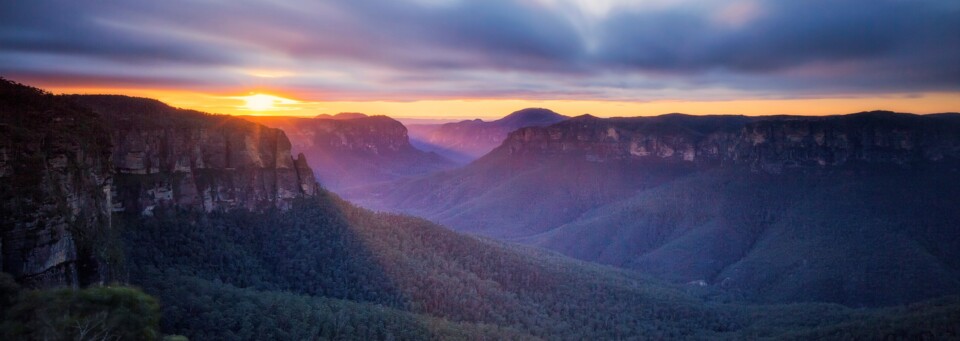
[(328, 248), (97, 313), (207, 310), (329, 270), (288, 275), (930, 320), (937, 319), (9, 289), (874, 237)]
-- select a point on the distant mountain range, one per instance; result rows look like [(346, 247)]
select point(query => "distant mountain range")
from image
[(466, 141), (353, 149), (342, 116), (854, 209), (226, 235)]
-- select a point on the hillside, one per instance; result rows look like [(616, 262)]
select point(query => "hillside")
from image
[(349, 149), (782, 209), (466, 141), (267, 264), (69, 162), (858, 238), (357, 273)]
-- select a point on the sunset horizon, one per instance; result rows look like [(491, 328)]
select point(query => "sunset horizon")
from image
[(480, 170), (276, 103), (452, 59)]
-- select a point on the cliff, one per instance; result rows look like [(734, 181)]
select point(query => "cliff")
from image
[(349, 150), (857, 209), (55, 179), (169, 156), (770, 144), (544, 177), (68, 162)]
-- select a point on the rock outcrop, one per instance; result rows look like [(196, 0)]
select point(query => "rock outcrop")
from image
[(168, 156), (349, 150), (856, 209), (68, 162), (543, 177), (55, 179), (768, 143)]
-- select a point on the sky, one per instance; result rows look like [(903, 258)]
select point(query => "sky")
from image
[(466, 59)]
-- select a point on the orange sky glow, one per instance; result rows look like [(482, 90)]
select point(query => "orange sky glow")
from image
[(280, 103), (450, 59)]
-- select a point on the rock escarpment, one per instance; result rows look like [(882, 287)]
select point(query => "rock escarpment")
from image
[(168, 156), (68, 162), (543, 177), (769, 143), (348, 150), (55, 180), (857, 209)]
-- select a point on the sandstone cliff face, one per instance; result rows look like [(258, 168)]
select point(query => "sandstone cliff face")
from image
[(167, 156), (769, 144), (377, 135), (55, 180), (543, 177), (64, 169), (349, 150)]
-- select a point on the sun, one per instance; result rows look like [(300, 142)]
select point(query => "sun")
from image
[(264, 102)]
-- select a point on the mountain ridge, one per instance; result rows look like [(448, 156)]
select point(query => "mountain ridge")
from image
[(356, 151), (342, 116), (595, 189), (764, 141), (316, 266), (467, 140), (69, 162), (200, 160)]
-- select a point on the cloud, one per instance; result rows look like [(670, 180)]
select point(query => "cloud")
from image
[(789, 33), (377, 49)]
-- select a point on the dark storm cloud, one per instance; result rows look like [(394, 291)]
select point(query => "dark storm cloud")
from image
[(799, 46), (544, 46), (789, 33), (72, 28)]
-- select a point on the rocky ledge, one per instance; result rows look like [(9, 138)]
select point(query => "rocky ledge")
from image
[(67, 163), (168, 156), (769, 144)]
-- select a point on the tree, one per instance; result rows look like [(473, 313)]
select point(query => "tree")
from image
[(98, 313)]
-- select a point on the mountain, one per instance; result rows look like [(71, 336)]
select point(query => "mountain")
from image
[(55, 180), (350, 150), (328, 269), (163, 155), (342, 116), (70, 162), (853, 209), (311, 266), (466, 141)]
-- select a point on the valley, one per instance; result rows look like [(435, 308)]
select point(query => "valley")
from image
[(468, 140), (780, 209), (232, 238), (385, 170)]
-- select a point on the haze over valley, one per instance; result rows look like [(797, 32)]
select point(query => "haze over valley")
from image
[(480, 170)]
